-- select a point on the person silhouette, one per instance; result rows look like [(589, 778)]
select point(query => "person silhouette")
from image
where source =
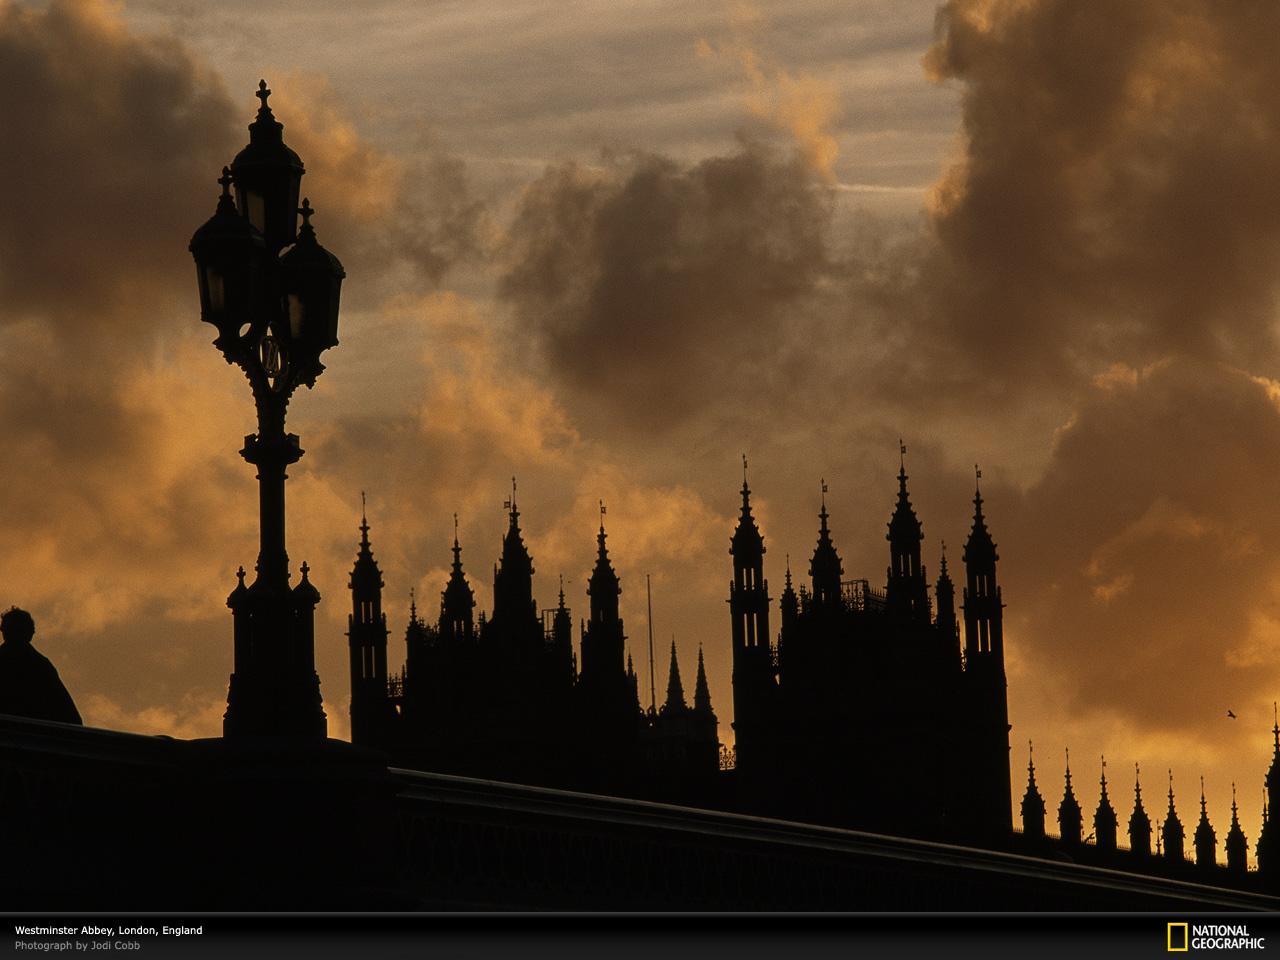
[(29, 683)]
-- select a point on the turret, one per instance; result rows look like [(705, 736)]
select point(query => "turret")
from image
[(457, 601), (983, 607), (985, 677), (945, 619), (753, 671), (906, 591), (1172, 832), (1033, 811), (1237, 845), (1139, 822), (514, 611), (1267, 853), (1104, 818), (1206, 839), (825, 569), (603, 639), (367, 640), (675, 689), (1070, 819)]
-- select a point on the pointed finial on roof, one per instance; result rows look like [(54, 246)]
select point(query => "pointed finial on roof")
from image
[(305, 211), (902, 456), (1068, 752), (225, 181), (744, 471), (602, 512), (262, 94), (1031, 759), (306, 569), (364, 521)]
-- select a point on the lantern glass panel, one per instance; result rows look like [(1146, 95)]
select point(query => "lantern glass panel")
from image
[(297, 316), (215, 287), (256, 209)]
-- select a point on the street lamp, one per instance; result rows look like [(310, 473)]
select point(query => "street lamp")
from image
[(271, 291)]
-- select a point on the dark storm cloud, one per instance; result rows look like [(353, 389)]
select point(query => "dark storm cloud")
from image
[(1116, 198), (1147, 571), (109, 144), (655, 287)]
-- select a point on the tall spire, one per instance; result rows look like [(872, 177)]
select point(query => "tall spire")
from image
[(1206, 840), (602, 586), (1104, 818), (458, 600), (367, 642), (1033, 810), (513, 605), (1172, 832), (675, 689), (906, 591), (1070, 819), (945, 619), (747, 545), (1139, 822), (603, 639), (1237, 845), (825, 568), (701, 692)]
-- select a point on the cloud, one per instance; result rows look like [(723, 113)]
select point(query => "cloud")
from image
[(1115, 198), (656, 287), (112, 145), (1140, 567)]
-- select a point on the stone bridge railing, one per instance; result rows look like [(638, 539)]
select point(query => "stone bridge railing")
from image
[(99, 820)]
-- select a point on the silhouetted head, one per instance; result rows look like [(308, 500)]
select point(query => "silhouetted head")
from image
[(17, 626)]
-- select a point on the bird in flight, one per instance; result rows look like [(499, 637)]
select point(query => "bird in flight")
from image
[(1231, 715)]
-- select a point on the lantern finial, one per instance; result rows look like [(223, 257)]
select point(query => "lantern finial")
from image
[(306, 210), (262, 94)]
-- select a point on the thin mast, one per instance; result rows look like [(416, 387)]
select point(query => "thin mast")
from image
[(653, 696)]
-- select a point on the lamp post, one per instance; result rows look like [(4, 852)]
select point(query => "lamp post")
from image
[(271, 291)]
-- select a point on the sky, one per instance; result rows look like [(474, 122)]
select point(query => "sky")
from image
[(610, 249)]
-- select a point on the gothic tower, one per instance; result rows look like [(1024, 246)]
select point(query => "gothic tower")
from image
[(945, 619), (1268, 840), (1104, 818), (1032, 803), (515, 619), (825, 568), (603, 639), (1172, 832), (985, 679), (457, 601), (753, 677), (1139, 822), (906, 592), (1070, 818), (1237, 845), (367, 639), (1206, 839)]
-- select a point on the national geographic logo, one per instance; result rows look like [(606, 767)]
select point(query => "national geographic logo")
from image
[(1186, 937)]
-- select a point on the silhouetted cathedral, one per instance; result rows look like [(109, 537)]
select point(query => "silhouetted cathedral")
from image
[(506, 697), (865, 694), (866, 697)]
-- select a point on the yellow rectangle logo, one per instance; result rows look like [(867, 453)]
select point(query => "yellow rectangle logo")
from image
[(1178, 938)]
